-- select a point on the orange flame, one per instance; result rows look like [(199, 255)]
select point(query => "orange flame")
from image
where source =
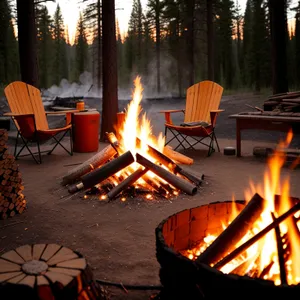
[(264, 252)]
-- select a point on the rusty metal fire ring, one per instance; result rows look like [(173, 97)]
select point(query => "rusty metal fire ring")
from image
[(183, 278)]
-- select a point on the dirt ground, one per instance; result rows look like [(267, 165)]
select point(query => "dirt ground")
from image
[(118, 238)]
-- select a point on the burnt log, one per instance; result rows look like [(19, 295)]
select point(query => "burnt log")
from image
[(94, 162), (257, 237), (172, 179), (280, 253), (97, 176), (167, 162), (235, 231), (127, 182)]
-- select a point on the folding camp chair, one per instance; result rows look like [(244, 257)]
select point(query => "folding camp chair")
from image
[(30, 118), (200, 115)]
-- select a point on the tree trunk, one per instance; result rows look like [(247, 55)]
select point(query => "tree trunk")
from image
[(27, 38), (99, 44), (191, 42), (110, 72), (157, 45), (210, 40), (278, 25), (179, 61)]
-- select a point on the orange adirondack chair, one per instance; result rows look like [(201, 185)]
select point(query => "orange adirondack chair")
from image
[(30, 118), (200, 115)]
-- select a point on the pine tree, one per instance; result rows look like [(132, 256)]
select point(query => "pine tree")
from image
[(155, 8), (224, 29), (60, 63), (9, 68), (135, 34), (44, 34), (81, 47), (93, 20), (297, 44)]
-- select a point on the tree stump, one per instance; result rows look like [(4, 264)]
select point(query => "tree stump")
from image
[(12, 200), (47, 271)]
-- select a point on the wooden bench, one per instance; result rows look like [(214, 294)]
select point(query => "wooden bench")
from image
[(265, 121)]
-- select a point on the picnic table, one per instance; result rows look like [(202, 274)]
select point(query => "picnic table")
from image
[(266, 120)]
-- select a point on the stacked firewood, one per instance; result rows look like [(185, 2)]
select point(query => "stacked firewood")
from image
[(12, 200), (286, 102)]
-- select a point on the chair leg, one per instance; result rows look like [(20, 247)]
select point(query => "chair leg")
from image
[(16, 145), (215, 138), (39, 150), (71, 141), (25, 144), (58, 143)]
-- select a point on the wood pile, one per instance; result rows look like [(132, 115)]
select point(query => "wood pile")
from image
[(286, 102), (47, 271), (12, 200)]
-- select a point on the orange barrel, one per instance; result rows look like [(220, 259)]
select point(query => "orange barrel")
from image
[(86, 131)]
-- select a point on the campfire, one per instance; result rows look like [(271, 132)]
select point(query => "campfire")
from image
[(252, 244), (135, 161), (264, 239)]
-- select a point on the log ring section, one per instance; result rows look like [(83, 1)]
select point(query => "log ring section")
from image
[(48, 271)]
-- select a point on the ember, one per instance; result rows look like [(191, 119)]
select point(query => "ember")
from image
[(249, 245), (135, 162)]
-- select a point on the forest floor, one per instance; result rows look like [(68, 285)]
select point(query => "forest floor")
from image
[(118, 238)]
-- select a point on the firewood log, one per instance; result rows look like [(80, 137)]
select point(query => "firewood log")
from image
[(94, 162), (177, 157), (49, 271)]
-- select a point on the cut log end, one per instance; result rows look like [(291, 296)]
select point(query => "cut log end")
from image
[(48, 271)]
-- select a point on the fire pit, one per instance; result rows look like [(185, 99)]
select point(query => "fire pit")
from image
[(135, 161), (234, 248)]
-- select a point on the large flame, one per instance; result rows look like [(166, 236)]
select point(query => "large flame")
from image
[(262, 255), (139, 126)]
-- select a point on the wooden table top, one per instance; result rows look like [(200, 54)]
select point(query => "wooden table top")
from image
[(268, 116)]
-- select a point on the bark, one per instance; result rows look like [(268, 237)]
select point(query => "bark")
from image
[(278, 25), (210, 40), (27, 38), (157, 45), (99, 44), (110, 72)]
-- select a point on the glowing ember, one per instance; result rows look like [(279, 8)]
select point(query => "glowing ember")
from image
[(261, 259)]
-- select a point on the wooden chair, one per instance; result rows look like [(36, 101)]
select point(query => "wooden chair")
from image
[(200, 115), (30, 118)]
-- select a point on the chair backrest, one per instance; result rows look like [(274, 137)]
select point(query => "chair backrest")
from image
[(201, 98), (23, 98)]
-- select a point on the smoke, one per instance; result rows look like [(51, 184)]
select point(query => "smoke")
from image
[(167, 80), (84, 88)]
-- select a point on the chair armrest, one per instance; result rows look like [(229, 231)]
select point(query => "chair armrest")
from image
[(10, 114), (67, 113), (172, 110), (217, 110), (213, 116), (61, 112), (167, 113)]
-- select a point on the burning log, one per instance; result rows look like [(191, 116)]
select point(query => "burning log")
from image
[(258, 236), (266, 270), (94, 162), (127, 182), (235, 231), (167, 162), (280, 253), (48, 271), (98, 175), (174, 180)]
